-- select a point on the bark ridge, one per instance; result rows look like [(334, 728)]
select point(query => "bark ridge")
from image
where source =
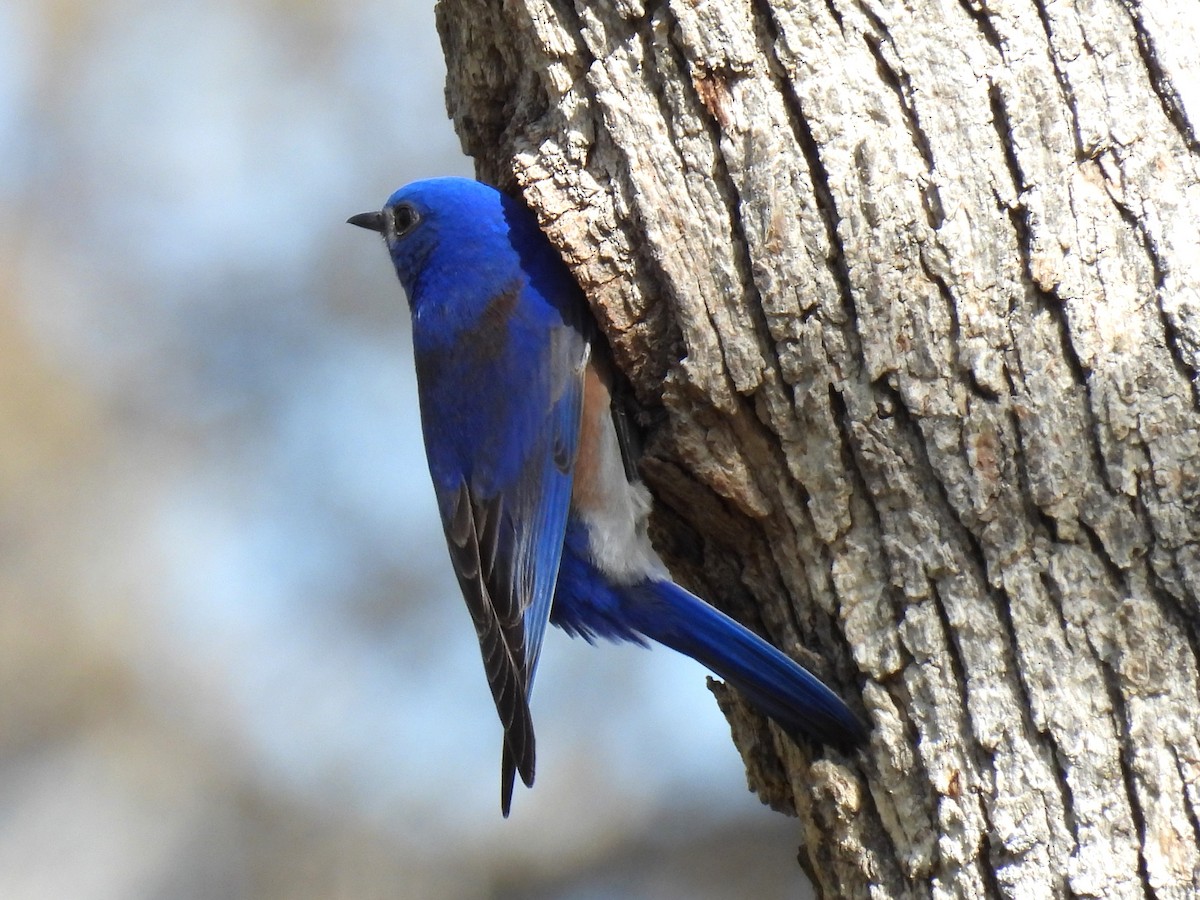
[(908, 296)]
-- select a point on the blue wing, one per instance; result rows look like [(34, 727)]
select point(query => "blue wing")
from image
[(500, 406)]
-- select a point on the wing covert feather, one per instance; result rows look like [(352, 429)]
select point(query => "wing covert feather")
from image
[(506, 540)]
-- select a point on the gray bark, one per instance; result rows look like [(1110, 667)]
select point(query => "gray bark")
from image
[(908, 297)]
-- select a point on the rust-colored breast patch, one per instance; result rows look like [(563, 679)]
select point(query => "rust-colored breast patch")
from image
[(588, 489)]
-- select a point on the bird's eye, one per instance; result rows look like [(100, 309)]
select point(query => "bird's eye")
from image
[(406, 219)]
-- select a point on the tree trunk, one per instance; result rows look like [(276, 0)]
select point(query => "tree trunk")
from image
[(908, 298)]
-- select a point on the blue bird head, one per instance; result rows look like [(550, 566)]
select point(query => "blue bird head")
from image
[(445, 232)]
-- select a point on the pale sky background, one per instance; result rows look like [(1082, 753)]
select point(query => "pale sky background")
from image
[(215, 495)]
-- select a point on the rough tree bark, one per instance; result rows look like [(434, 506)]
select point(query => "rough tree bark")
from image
[(908, 298)]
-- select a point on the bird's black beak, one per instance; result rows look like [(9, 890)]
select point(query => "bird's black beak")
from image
[(373, 221)]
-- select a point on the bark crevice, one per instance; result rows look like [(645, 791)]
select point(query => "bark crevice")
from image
[(914, 303)]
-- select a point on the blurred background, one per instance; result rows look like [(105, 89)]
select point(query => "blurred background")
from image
[(233, 660)]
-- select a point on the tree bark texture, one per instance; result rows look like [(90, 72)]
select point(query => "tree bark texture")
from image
[(907, 295)]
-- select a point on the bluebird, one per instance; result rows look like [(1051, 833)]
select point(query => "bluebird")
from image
[(544, 514)]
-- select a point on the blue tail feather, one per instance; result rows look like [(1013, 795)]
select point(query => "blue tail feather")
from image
[(776, 685), (589, 606)]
